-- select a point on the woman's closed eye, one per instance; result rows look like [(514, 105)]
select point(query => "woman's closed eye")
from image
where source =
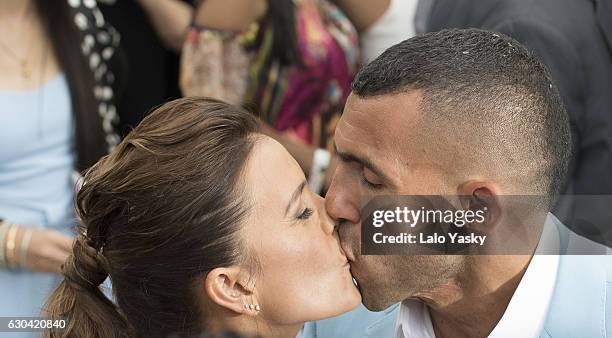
[(305, 214)]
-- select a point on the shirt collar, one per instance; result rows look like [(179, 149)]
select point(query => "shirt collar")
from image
[(414, 320), (528, 307)]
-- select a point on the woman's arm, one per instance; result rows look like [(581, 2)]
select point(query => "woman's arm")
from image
[(363, 13), (232, 15), (170, 18), (38, 250)]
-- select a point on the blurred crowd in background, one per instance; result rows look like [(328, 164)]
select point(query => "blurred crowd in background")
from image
[(77, 75)]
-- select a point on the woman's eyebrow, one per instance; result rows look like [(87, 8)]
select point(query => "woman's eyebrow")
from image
[(294, 197)]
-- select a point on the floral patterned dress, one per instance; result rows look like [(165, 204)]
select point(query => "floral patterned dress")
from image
[(303, 100)]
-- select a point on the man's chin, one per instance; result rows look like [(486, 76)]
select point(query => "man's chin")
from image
[(374, 304), (372, 300), (372, 296)]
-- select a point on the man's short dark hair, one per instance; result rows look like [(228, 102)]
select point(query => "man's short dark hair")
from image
[(488, 83)]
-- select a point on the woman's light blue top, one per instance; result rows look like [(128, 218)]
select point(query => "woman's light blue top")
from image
[(36, 187)]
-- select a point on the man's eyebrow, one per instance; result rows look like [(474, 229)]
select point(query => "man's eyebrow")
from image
[(294, 197), (348, 157)]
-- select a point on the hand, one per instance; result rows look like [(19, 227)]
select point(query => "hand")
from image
[(47, 250)]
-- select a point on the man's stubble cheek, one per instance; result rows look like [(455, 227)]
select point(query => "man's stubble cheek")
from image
[(392, 279), (384, 280), (387, 279)]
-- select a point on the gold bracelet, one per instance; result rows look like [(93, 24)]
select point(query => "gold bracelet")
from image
[(10, 246), (23, 248), (4, 227)]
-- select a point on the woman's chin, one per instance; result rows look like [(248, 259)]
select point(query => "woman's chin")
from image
[(355, 298), (351, 294), (344, 301), (344, 297)]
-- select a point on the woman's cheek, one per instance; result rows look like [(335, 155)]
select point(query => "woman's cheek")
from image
[(303, 265)]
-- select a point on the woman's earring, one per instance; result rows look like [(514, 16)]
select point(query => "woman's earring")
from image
[(252, 307)]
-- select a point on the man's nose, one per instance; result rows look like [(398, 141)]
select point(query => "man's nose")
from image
[(327, 223), (341, 202)]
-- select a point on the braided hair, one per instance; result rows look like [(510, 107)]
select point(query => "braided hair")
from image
[(159, 212)]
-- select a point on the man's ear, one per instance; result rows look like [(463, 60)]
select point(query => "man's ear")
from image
[(228, 287), (481, 195)]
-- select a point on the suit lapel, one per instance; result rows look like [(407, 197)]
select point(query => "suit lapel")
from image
[(580, 291)]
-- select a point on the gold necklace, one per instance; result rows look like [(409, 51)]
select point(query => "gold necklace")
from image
[(26, 70)]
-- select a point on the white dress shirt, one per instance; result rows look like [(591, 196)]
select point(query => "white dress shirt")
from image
[(525, 315)]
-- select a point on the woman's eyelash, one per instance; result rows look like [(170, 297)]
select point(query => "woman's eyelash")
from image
[(305, 214)]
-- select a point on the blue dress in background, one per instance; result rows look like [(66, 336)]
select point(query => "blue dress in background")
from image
[(37, 157)]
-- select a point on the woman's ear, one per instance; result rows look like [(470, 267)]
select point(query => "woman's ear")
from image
[(227, 287)]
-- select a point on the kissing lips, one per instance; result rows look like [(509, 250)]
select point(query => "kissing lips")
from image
[(347, 252)]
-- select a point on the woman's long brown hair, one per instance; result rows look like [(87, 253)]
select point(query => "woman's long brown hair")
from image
[(157, 214)]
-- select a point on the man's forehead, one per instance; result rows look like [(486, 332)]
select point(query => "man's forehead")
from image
[(380, 119)]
